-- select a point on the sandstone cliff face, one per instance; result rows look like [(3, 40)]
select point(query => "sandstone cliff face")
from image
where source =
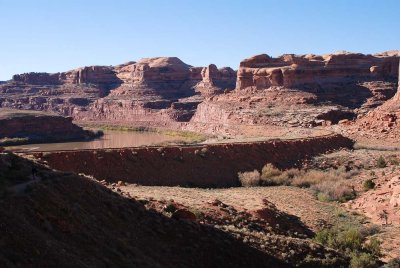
[(100, 75), (163, 89), (291, 90), (382, 122), (304, 90), (290, 70)]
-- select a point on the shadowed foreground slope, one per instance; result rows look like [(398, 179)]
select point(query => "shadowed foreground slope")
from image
[(70, 221)]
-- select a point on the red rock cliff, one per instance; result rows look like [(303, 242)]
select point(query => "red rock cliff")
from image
[(263, 71), (162, 89)]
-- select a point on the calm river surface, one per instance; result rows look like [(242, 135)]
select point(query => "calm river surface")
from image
[(111, 139)]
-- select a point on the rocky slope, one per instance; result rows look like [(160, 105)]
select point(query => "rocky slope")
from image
[(382, 123), (304, 90), (153, 89), (70, 221), (66, 220)]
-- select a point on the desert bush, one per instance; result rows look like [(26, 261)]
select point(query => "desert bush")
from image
[(313, 177), (271, 176), (374, 247), (322, 197), (351, 242), (393, 263), (270, 170), (368, 185), (370, 230), (381, 162), (350, 239), (311, 261), (250, 178), (334, 190), (344, 173), (363, 260)]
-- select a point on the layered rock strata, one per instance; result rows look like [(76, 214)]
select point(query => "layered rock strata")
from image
[(152, 89), (382, 122), (304, 90)]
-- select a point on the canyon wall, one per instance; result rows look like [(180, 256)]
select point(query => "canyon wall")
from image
[(163, 89), (384, 121), (209, 165), (304, 90), (263, 71), (290, 90)]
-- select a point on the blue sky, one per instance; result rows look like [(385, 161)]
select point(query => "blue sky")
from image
[(54, 36)]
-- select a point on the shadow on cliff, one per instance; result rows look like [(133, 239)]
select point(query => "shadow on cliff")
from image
[(349, 95), (71, 221)]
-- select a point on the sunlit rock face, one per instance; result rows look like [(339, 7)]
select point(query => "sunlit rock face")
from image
[(263, 71), (163, 89)]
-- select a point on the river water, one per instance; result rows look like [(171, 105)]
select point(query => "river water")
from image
[(111, 139)]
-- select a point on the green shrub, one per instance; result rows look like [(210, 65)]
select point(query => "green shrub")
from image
[(350, 239), (363, 260), (323, 197), (368, 185), (326, 237), (351, 242), (381, 162), (374, 247)]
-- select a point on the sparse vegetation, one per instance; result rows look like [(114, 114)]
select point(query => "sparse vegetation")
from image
[(333, 191), (394, 161), (393, 263), (13, 141), (353, 243), (381, 162), (327, 185), (249, 179), (368, 185)]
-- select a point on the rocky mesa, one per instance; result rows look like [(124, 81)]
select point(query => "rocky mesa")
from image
[(153, 89)]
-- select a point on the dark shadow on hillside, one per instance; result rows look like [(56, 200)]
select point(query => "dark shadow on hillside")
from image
[(71, 221)]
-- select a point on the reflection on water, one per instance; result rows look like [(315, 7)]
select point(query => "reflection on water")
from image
[(111, 139)]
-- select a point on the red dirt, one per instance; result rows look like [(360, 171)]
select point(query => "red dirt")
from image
[(202, 165)]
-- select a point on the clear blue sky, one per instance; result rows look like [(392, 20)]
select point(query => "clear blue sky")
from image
[(58, 35)]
